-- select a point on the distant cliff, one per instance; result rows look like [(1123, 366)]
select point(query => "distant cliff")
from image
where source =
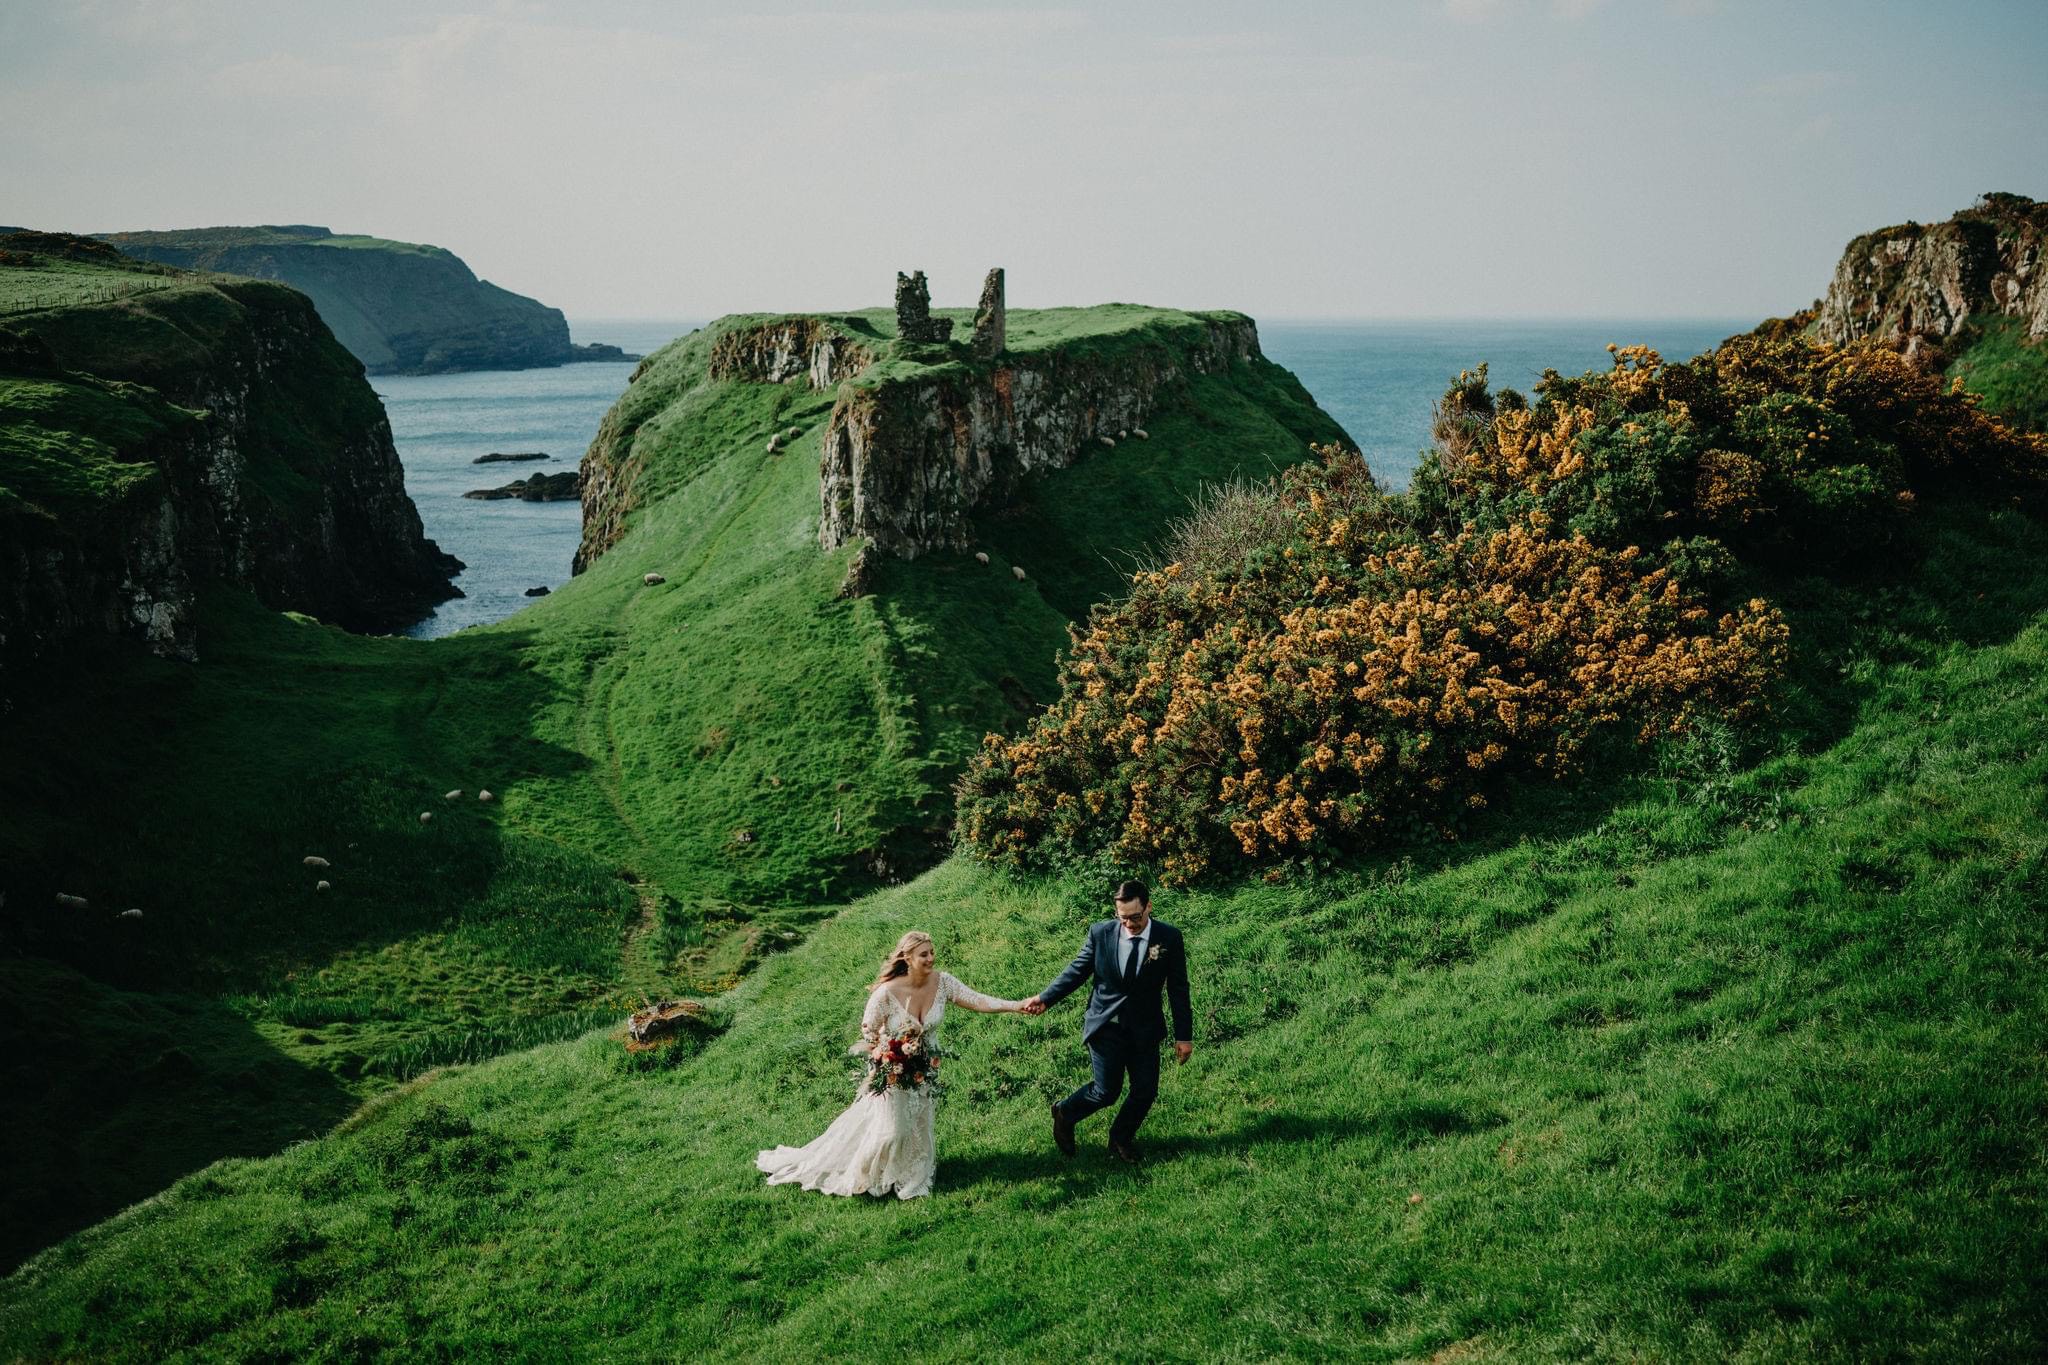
[(400, 308), (1969, 295), (162, 431)]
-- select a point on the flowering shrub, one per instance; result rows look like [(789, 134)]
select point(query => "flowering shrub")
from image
[(1779, 447), (1325, 666)]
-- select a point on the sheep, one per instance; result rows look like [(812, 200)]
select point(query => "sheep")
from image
[(1018, 570), (130, 913), (322, 885), (650, 579), (485, 796), (794, 432), (71, 902), (1141, 433), (1107, 440), (426, 816), (981, 556), (455, 795), (315, 860), (774, 444)]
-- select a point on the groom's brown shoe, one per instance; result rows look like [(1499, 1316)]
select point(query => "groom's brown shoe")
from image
[(1062, 1131), (1124, 1151)]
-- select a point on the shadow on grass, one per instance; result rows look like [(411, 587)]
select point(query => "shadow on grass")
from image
[(118, 1094), (192, 793), (1396, 1126)]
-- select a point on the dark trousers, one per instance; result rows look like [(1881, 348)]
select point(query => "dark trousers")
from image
[(1112, 1056)]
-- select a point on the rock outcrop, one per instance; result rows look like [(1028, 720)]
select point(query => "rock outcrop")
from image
[(781, 349), (399, 307), (907, 462), (1919, 286), (560, 487), (204, 431), (991, 319)]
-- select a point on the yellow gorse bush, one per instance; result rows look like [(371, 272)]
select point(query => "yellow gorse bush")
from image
[(1378, 664)]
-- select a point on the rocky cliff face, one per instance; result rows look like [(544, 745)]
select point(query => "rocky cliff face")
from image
[(907, 461), (783, 349), (400, 308), (1918, 286), (200, 433), (751, 349)]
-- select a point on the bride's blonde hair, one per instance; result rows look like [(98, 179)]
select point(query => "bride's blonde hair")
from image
[(898, 961)]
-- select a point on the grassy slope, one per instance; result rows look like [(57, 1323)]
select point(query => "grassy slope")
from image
[(1721, 1063), (743, 696), (621, 727), (2011, 375)]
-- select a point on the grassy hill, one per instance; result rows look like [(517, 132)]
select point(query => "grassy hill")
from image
[(1704, 1060), (630, 735)]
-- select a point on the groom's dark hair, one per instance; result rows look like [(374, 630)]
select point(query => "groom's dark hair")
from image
[(1132, 891)]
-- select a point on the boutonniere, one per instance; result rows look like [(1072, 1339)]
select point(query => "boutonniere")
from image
[(1153, 955)]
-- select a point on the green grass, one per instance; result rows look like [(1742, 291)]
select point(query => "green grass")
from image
[(36, 280), (744, 698), (1717, 1060), (65, 443), (193, 792), (2010, 374), (632, 736)]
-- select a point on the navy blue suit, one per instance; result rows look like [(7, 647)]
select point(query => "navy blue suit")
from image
[(1126, 1020)]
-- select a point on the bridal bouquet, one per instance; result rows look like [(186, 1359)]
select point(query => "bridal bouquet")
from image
[(906, 1059)]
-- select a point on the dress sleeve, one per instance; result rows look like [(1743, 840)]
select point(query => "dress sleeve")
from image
[(966, 997), (873, 1019)]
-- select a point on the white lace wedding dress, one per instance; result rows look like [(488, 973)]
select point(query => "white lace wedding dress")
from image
[(881, 1142)]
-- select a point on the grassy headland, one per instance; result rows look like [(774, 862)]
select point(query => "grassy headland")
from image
[(683, 774), (1715, 1059)]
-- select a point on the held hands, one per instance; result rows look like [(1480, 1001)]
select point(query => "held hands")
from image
[(1032, 1006)]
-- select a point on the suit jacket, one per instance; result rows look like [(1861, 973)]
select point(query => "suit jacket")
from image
[(1137, 998)]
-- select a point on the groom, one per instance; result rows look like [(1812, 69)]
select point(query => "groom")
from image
[(1132, 958)]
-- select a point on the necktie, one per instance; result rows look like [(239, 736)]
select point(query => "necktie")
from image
[(1131, 967)]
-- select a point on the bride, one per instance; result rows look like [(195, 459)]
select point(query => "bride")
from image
[(883, 1140)]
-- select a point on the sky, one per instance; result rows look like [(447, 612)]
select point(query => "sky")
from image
[(1433, 159)]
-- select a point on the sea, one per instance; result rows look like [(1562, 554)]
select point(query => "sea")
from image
[(1376, 378)]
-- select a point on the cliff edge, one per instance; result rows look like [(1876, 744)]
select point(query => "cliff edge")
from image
[(399, 307), (1969, 296), (163, 431)]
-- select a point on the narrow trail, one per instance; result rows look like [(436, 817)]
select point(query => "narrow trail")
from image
[(642, 968), (719, 960)]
